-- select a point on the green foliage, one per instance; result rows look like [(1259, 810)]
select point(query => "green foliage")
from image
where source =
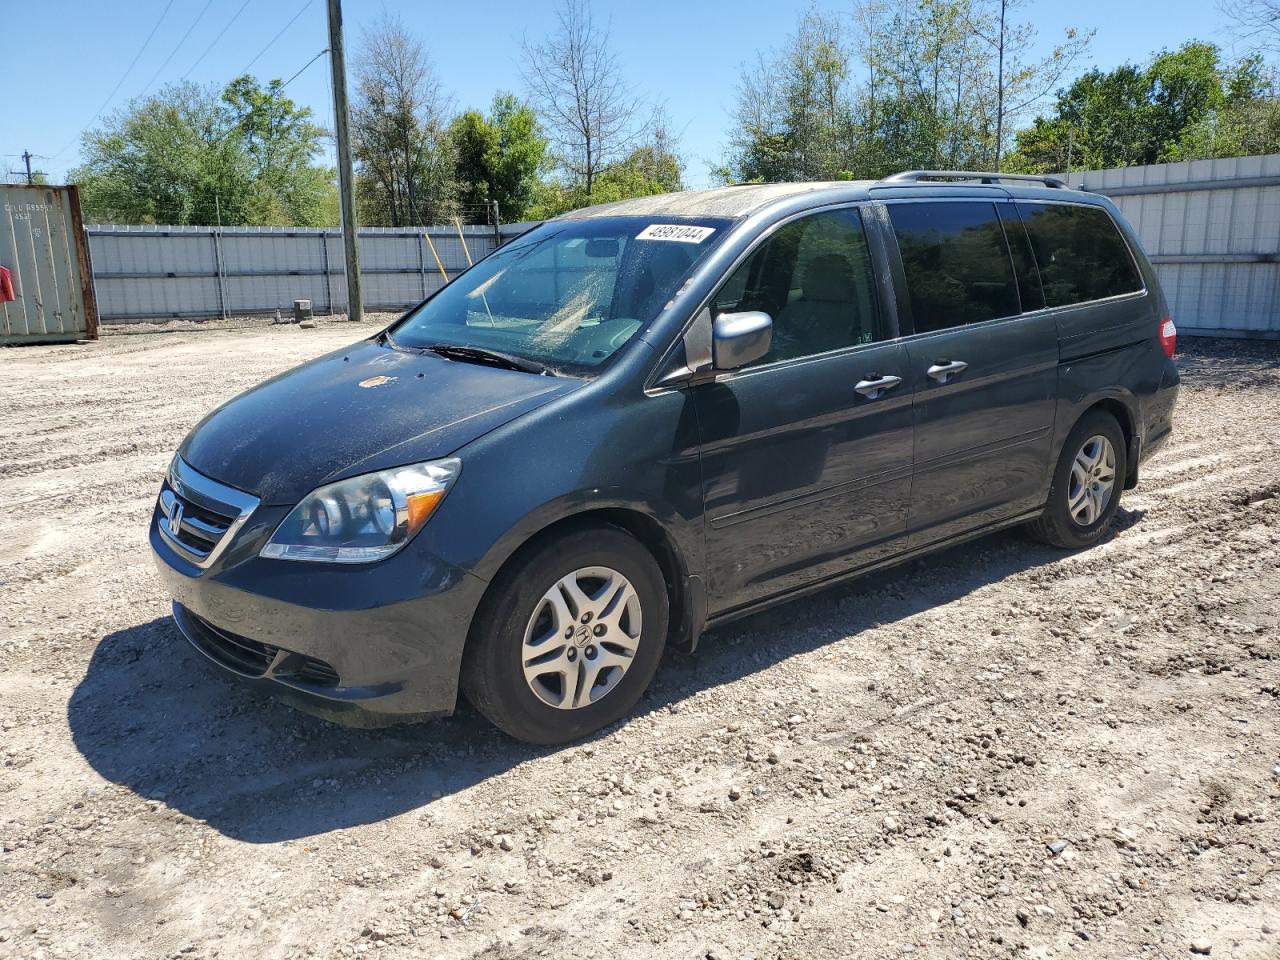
[(189, 155), (649, 169), (914, 83), (499, 157), (1184, 105), (405, 162)]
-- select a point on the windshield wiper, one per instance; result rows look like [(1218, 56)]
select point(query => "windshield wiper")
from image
[(491, 357)]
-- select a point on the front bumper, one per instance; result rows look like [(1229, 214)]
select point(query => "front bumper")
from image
[(363, 645)]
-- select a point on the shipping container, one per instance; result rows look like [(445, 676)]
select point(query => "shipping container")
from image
[(45, 252)]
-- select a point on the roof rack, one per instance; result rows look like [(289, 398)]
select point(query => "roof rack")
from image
[(916, 176)]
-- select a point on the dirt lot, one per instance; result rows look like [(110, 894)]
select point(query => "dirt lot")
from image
[(999, 751)]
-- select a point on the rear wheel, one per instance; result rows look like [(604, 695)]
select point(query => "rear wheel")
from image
[(1085, 493), (568, 637)]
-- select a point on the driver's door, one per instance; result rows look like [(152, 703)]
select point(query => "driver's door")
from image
[(806, 468)]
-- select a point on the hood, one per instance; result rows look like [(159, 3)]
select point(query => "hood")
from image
[(360, 409)]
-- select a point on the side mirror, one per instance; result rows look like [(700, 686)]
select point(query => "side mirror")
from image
[(739, 338)]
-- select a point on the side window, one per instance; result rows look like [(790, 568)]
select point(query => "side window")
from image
[(956, 262), (813, 277), (1080, 253), (1024, 262)]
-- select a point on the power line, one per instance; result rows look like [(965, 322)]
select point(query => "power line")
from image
[(199, 17), (304, 67), (220, 35), (273, 40), (132, 63)]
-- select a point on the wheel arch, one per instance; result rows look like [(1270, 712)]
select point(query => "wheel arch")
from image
[(1125, 416), (685, 591)]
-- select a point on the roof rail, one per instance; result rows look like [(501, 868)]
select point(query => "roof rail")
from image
[(916, 176)]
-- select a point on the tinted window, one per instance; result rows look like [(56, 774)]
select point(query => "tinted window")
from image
[(1080, 253), (813, 277), (956, 262), (1024, 263)]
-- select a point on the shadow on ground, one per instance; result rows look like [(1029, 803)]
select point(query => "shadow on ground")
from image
[(153, 715)]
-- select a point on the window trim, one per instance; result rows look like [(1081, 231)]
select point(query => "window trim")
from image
[(1142, 290), (884, 296)]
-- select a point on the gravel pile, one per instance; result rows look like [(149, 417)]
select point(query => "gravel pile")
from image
[(998, 751)]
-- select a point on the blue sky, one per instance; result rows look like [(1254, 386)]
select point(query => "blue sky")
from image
[(60, 59)]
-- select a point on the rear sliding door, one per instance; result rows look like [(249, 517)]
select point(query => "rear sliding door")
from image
[(986, 353)]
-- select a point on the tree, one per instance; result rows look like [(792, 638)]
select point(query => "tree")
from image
[(926, 101), (1256, 22), (1184, 105), (280, 140), (915, 83), (1019, 83), (404, 158), (793, 111), (588, 111), (499, 158), (651, 168), (189, 155), (1102, 121)]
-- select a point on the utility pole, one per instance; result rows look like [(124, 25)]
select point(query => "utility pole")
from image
[(29, 174), (1071, 136), (346, 186)]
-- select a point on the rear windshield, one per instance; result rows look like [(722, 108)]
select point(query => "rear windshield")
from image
[(568, 294)]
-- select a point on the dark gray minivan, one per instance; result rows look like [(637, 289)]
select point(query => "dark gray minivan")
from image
[(646, 418)]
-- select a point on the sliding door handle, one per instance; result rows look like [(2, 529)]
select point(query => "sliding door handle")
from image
[(874, 386), (944, 370)]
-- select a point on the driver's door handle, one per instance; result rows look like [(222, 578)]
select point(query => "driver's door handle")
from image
[(944, 370), (875, 385)]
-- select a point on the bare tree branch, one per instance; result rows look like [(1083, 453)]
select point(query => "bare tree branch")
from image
[(588, 111)]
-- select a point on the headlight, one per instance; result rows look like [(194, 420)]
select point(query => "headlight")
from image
[(364, 518)]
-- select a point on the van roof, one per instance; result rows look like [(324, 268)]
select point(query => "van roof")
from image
[(733, 201), (741, 200)]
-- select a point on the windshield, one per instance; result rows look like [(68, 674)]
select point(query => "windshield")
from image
[(568, 294)]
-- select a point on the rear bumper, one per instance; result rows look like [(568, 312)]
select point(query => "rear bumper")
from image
[(363, 646), (1157, 411)]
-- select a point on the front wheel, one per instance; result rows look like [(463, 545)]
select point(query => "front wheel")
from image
[(1085, 493), (568, 636)]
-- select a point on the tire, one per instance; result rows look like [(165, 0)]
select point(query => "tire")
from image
[(1070, 520), (519, 672)]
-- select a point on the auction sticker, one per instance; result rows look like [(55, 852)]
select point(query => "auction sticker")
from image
[(678, 232)]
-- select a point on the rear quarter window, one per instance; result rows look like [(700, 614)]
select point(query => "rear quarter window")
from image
[(1080, 253)]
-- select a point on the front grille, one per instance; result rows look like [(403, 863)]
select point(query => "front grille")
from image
[(252, 658), (199, 529), (199, 516)]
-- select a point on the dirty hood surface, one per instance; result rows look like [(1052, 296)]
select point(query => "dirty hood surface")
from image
[(360, 409)]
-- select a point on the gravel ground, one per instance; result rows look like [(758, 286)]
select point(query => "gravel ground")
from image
[(1001, 750)]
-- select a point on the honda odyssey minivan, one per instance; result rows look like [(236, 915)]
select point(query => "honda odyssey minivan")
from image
[(646, 418)]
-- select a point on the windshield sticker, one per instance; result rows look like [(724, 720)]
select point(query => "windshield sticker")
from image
[(677, 232)]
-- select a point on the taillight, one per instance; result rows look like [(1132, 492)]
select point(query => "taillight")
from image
[(1168, 336)]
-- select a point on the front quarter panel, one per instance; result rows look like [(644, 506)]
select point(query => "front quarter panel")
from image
[(600, 447)]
